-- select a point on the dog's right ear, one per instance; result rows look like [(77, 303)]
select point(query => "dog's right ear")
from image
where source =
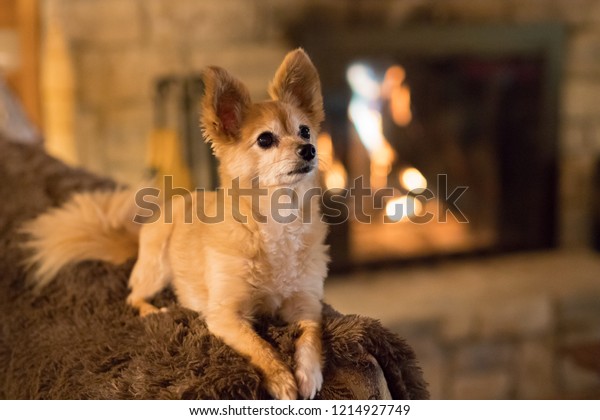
[(224, 105)]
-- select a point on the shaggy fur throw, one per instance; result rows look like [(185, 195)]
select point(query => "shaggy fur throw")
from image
[(78, 339)]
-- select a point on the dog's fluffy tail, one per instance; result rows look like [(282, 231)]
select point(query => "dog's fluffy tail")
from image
[(90, 226)]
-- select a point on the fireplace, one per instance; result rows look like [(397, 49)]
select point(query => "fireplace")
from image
[(453, 130)]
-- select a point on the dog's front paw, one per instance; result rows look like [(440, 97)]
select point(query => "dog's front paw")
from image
[(310, 379), (281, 385)]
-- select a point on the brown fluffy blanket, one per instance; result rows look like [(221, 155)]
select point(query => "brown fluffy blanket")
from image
[(78, 339)]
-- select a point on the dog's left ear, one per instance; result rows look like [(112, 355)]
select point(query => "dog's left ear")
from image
[(297, 82)]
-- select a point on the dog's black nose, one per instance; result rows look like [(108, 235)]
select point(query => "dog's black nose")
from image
[(307, 152)]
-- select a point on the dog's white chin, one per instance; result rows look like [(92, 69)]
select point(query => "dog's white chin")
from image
[(295, 178)]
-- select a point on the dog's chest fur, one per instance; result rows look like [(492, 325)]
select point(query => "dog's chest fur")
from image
[(284, 248)]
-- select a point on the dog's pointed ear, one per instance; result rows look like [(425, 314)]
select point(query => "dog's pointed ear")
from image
[(224, 104), (297, 82)]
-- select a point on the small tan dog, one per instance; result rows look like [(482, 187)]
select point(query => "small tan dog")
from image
[(230, 271)]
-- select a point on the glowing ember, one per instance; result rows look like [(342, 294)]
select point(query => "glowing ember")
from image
[(381, 165), (398, 94), (402, 208), (412, 179)]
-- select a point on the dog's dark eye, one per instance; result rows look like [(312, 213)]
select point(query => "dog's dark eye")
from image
[(304, 132), (266, 140)]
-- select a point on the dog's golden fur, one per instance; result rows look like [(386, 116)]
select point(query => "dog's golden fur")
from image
[(230, 271)]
